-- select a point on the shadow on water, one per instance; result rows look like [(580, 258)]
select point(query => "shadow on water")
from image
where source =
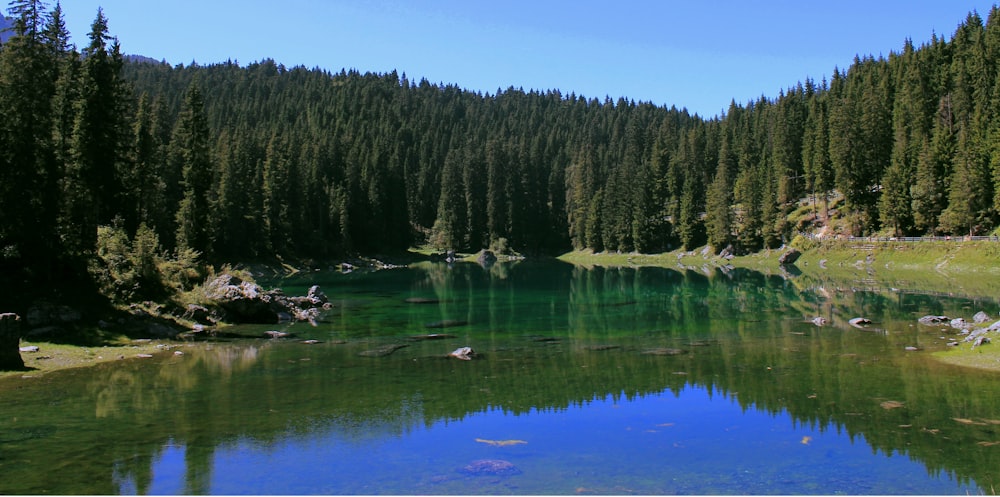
[(554, 342)]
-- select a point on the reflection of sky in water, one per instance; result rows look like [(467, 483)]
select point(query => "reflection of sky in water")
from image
[(691, 442)]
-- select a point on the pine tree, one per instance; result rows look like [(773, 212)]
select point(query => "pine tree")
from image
[(191, 145), (934, 166), (27, 165), (92, 186), (275, 194), (719, 199), (448, 231)]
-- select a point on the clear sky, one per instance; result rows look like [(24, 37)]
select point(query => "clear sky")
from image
[(689, 53)]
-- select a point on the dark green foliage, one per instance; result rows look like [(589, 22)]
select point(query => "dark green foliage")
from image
[(191, 150), (277, 161)]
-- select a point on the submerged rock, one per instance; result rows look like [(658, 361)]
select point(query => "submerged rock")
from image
[(664, 351), (421, 300), (602, 347), (490, 467), (446, 323), (431, 336), (382, 351)]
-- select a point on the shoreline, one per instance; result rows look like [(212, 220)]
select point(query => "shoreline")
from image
[(961, 267)]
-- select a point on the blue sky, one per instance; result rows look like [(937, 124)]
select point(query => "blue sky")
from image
[(693, 54)]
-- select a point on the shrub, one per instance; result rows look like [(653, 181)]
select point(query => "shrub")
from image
[(804, 243)]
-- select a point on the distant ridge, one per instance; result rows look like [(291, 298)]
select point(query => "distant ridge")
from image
[(6, 31), (142, 59)]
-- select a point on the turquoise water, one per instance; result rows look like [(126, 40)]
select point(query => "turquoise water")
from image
[(603, 381)]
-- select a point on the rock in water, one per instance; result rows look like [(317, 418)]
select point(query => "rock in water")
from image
[(463, 353), (381, 351), (486, 258), (932, 320), (491, 467), (860, 322)]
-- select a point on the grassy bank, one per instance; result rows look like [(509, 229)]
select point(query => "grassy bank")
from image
[(957, 268), (51, 356), (960, 268)]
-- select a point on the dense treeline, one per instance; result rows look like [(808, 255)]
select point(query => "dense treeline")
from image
[(239, 162)]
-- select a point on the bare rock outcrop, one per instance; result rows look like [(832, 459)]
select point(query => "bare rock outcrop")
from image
[(246, 302)]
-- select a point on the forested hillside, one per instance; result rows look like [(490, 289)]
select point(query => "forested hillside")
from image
[(243, 162)]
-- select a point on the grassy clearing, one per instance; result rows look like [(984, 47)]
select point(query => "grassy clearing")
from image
[(985, 357), (59, 356)]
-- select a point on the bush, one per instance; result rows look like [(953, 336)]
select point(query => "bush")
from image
[(129, 270), (183, 271), (804, 243), (500, 246)]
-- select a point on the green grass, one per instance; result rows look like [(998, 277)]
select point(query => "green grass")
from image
[(59, 356)]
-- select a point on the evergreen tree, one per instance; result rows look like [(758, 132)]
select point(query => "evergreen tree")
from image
[(719, 199), (92, 183), (448, 231), (191, 146), (934, 166), (27, 166)]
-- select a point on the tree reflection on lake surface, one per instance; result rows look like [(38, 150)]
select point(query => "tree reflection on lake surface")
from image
[(586, 381)]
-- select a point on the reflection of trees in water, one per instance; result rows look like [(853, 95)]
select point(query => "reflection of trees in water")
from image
[(831, 378)]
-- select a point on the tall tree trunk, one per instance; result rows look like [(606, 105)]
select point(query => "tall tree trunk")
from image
[(10, 341)]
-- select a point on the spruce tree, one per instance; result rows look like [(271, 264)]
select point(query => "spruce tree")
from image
[(191, 145), (92, 185)]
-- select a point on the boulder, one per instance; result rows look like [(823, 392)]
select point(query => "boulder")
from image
[(980, 317), (728, 252), (819, 321), (463, 353), (960, 324), (198, 314), (934, 320), (44, 314), (789, 257), (860, 322), (246, 302), (486, 258)]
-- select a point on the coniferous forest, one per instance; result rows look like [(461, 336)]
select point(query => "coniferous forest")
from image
[(230, 162)]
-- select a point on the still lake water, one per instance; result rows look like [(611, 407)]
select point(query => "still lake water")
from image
[(587, 381)]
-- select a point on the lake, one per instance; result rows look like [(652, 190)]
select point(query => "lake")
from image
[(584, 381)]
